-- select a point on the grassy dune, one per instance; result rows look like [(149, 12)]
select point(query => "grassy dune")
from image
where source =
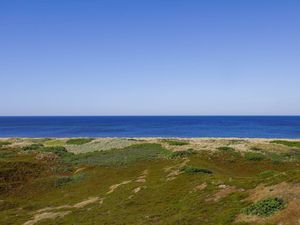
[(149, 181)]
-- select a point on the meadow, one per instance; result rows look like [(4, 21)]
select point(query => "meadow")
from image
[(149, 181)]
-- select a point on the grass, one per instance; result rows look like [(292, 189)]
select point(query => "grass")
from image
[(117, 157), (193, 170), (79, 141), (287, 143), (265, 207), (254, 156), (28, 184), (175, 142)]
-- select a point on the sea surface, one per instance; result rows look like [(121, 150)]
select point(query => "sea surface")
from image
[(152, 126)]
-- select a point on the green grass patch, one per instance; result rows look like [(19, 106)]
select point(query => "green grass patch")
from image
[(79, 141), (130, 154), (254, 156), (287, 143), (265, 207), (192, 170), (175, 142)]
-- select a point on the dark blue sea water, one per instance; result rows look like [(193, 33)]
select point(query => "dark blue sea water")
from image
[(152, 126)]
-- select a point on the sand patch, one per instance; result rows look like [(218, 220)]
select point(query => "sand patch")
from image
[(224, 191), (201, 187), (174, 171), (113, 187), (86, 202), (46, 215)]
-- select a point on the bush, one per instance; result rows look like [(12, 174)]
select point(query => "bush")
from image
[(255, 149), (175, 142), (190, 169), (179, 154), (226, 148), (79, 141), (3, 143), (254, 156), (287, 143), (61, 181), (58, 150), (265, 207), (33, 147)]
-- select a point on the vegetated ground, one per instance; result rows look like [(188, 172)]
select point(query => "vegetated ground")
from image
[(149, 181)]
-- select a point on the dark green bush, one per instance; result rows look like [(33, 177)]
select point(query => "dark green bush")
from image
[(79, 141), (265, 207), (175, 142), (226, 148), (179, 154), (287, 143), (190, 169), (255, 149), (254, 156)]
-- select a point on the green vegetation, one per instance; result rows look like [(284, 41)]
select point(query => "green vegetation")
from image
[(63, 180), (117, 157), (190, 169), (180, 154), (4, 143), (254, 156), (287, 143), (146, 182), (79, 141), (175, 142), (265, 207), (254, 148), (33, 147), (226, 148)]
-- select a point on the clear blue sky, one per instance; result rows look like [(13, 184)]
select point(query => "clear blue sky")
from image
[(149, 57)]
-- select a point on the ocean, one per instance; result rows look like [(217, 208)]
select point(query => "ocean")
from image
[(151, 126)]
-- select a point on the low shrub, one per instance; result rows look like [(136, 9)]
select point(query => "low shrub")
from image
[(3, 143), (226, 148), (190, 169), (287, 143), (175, 142), (58, 150), (179, 154), (61, 181), (265, 207), (79, 141), (254, 148), (33, 147), (254, 156), (267, 173)]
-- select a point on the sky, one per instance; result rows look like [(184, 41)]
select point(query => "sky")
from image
[(149, 57)]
